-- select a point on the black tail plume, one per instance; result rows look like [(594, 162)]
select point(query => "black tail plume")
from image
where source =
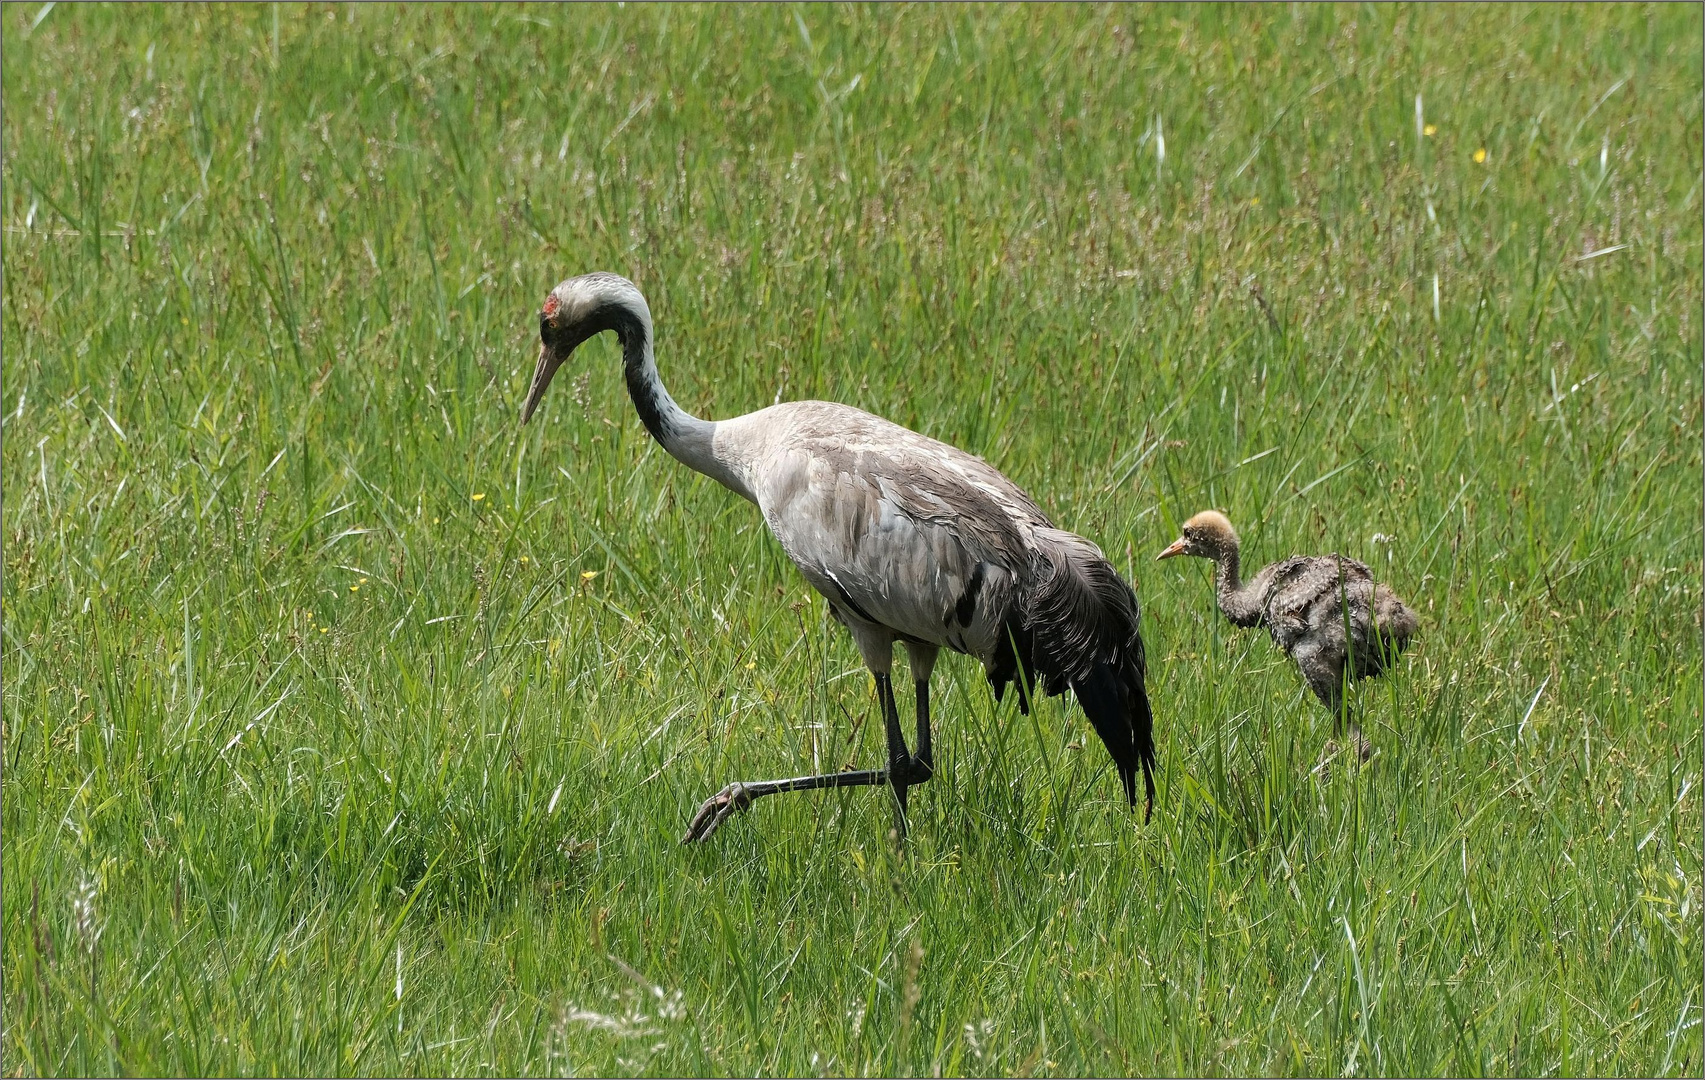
[(1117, 704), (1075, 626)]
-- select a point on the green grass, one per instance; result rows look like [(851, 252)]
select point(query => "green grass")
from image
[(323, 753)]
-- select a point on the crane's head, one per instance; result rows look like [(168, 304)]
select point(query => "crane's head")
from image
[(1207, 535), (580, 308)]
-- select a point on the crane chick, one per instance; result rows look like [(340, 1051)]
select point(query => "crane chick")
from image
[(1311, 605)]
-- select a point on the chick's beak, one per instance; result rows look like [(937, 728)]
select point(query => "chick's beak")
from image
[(1177, 548), (549, 361)]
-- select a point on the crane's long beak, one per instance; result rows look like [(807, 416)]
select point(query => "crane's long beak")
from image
[(1177, 548), (549, 361)]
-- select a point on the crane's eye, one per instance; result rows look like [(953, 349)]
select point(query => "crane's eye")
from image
[(544, 330)]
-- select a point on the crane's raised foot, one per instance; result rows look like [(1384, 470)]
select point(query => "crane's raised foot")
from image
[(738, 796), (717, 809)]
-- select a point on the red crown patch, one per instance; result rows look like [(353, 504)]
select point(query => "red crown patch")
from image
[(550, 306)]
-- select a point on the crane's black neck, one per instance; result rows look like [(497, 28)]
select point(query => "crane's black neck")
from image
[(657, 409), (687, 438)]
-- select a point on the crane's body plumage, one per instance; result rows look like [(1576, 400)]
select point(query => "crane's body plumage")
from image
[(892, 527), (910, 541), (1330, 615)]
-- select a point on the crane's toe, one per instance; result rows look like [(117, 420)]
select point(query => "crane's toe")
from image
[(1358, 743), (717, 809), (1364, 748)]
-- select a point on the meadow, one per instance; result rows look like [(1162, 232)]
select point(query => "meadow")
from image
[(350, 727)]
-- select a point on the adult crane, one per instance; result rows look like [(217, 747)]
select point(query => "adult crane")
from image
[(908, 539)]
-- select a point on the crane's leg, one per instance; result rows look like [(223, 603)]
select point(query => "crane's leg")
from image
[(1333, 696), (901, 773), (738, 796), (1344, 715), (921, 659), (924, 763), (899, 758), (1358, 741)]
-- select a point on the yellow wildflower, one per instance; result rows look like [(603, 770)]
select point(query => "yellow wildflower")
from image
[(588, 575), (478, 495), (1480, 156), (1430, 130)]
